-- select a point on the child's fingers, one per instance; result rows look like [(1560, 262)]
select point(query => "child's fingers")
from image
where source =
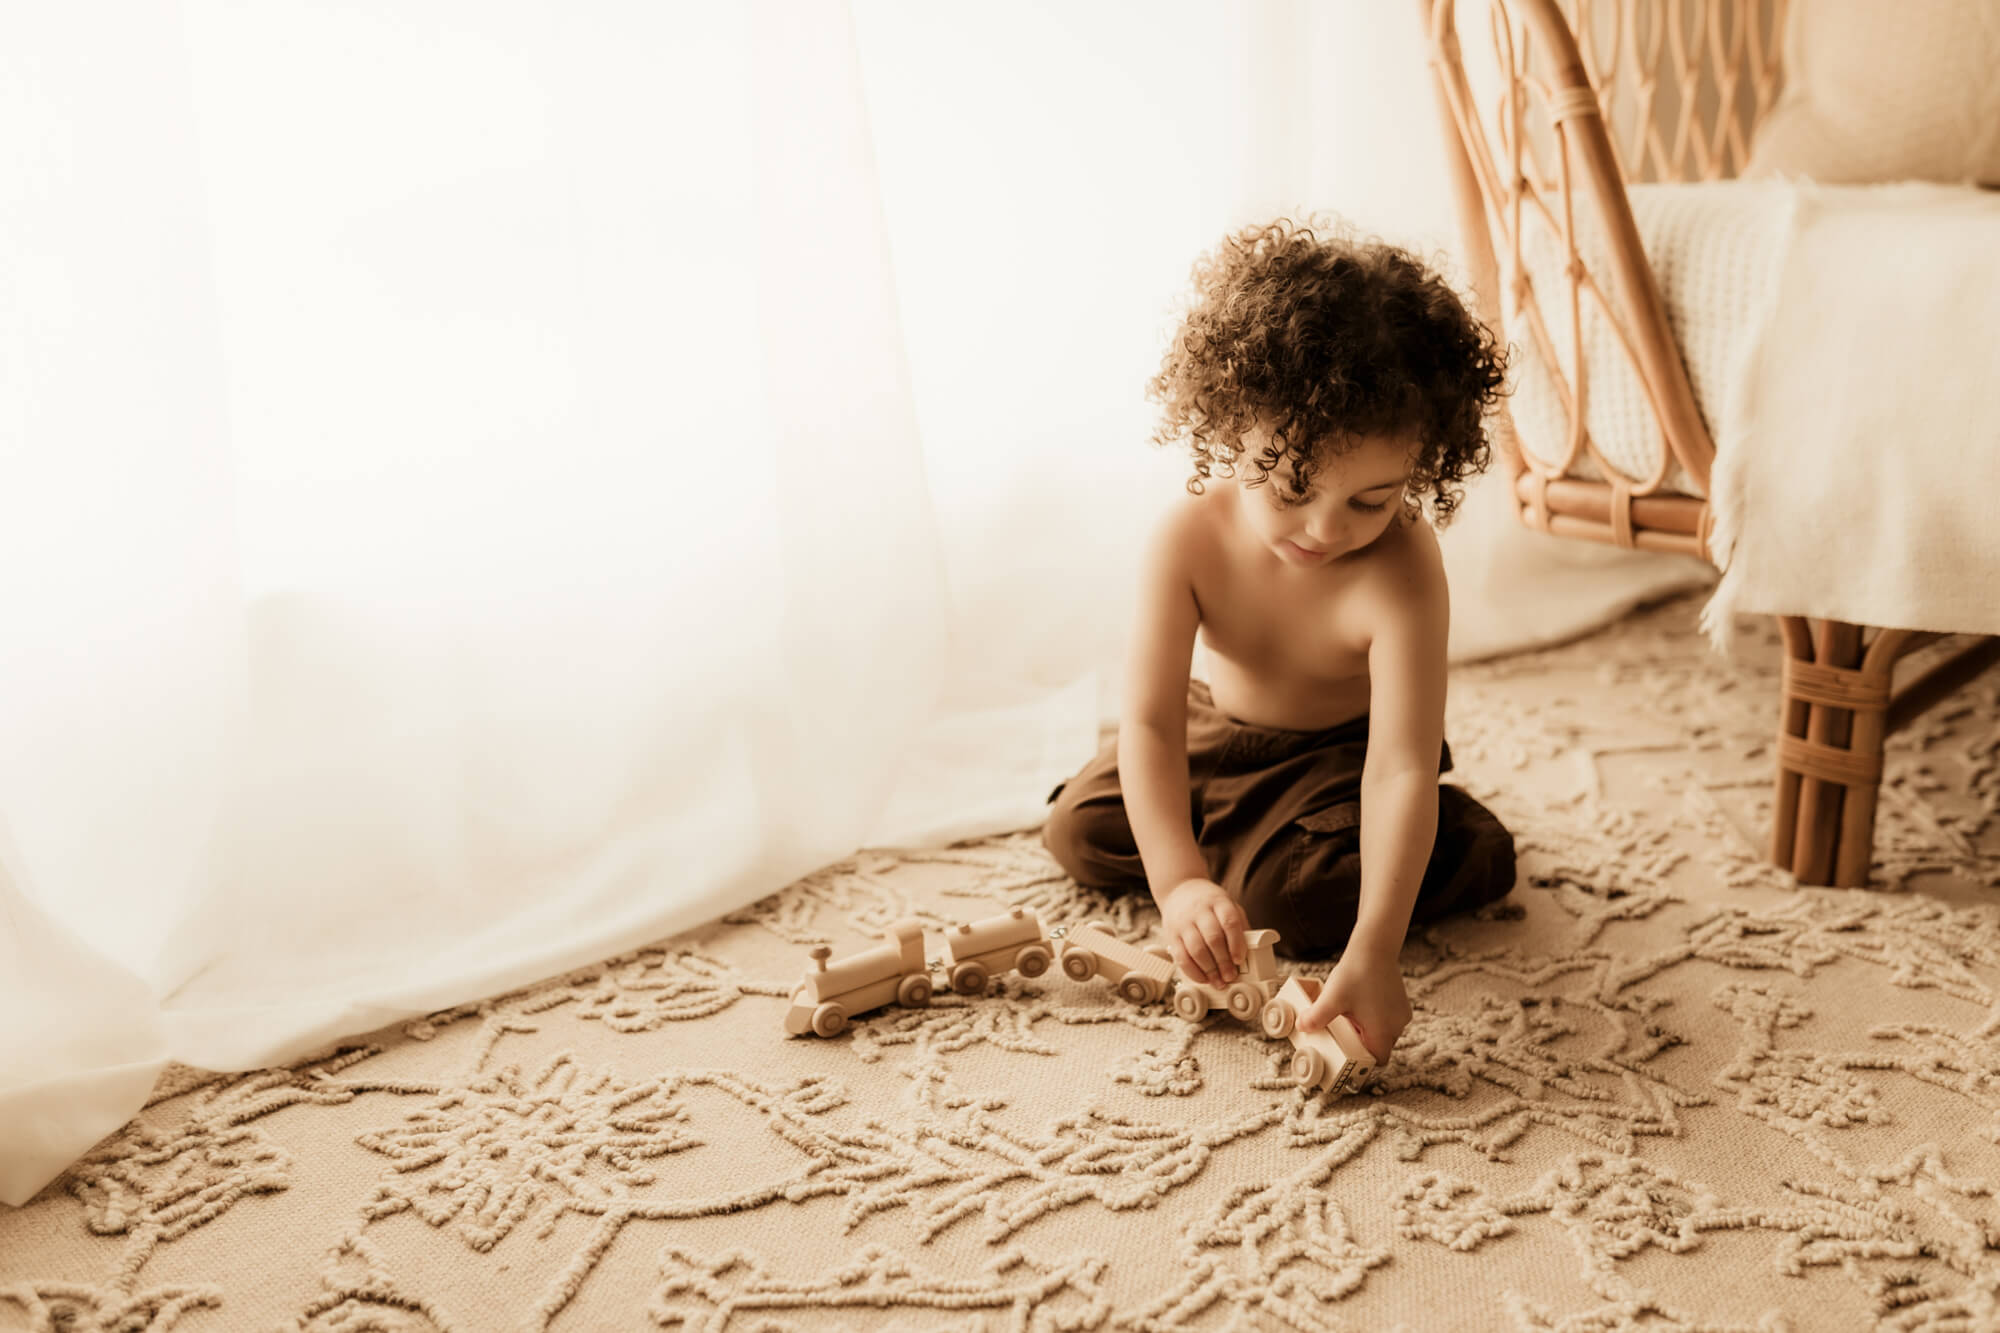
[(1228, 913), (1216, 935), (1203, 958), (1321, 1011)]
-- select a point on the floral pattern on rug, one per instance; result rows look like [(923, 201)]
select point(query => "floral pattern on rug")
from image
[(1659, 1087)]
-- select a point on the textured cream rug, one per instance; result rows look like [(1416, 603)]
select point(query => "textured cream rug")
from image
[(1660, 1089)]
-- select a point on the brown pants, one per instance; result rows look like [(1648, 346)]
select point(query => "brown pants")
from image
[(1277, 815)]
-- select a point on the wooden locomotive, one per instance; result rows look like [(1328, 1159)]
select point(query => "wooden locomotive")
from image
[(974, 953), (1256, 985), (896, 970), (830, 995), (1140, 975)]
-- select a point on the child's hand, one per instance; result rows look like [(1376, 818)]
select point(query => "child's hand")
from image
[(1369, 990), (1204, 928)]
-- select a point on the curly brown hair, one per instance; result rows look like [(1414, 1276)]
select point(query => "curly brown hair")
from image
[(1321, 337)]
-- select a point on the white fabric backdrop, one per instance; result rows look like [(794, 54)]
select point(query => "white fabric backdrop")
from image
[(489, 484)]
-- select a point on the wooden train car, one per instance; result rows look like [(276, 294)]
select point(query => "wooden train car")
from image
[(831, 994), (1332, 1058), (1140, 975), (976, 952), (1256, 984)]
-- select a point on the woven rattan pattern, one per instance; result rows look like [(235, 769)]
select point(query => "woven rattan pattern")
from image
[(1670, 91)]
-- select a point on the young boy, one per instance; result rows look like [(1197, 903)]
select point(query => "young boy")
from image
[(1330, 386)]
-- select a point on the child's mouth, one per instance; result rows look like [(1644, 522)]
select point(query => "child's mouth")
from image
[(1298, 552)]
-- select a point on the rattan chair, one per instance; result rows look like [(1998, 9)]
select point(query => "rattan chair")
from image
[(1586, 98)]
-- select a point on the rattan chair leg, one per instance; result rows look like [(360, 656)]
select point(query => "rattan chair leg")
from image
[(1839, 705), (1855, 848), (1874, 719), (1792, 714), (1835, 644)]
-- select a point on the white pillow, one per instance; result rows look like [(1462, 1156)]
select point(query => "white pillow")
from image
[(1878, 91)]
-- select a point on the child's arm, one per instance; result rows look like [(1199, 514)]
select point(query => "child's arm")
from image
[(1204, 927), (1406, 682)]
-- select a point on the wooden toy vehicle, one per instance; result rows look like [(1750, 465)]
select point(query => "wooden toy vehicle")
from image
[(1256, 985), (975, 952), (1140, 975), (892, 970), (1332, 1058)]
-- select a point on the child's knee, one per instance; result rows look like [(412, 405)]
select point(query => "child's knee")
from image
[(1474, 863), (1063, 834), (1496, 849), (1090, 837), (1487, 840)]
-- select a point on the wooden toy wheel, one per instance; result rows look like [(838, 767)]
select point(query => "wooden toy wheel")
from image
[(1190, 1005), (1032, 961), (1135, 989), (829, 1019), (1079, 964), (1308, 1068), (969, 978), (1278, 1020), (1244, 998), (914, 991)]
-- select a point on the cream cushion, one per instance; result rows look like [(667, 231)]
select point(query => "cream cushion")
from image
[(1877, 92)]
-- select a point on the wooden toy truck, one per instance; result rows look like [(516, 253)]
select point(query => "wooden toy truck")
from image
[(1256, 985), (1140, 975), (892, 970), (1332, 1058), (977, 951)]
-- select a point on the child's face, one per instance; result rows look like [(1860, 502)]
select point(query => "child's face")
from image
[(1355, 496)]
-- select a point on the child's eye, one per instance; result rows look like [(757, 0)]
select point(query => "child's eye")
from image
[(1285, 499), (1375, 508)]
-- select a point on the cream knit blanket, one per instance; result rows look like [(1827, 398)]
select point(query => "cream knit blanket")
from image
[(1857, 472)]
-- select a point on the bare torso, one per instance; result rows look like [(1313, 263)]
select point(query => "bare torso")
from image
[(1286, 647)]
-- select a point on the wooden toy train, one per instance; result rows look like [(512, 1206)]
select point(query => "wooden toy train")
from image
[(976, 952)]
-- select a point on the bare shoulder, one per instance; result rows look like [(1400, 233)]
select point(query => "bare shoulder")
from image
[(1402, 585), (1184, 535)]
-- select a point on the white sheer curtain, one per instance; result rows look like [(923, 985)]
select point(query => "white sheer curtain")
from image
[(464, 515), (488, 483)]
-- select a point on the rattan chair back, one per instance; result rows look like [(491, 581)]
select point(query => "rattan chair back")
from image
[(1554, 107)]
